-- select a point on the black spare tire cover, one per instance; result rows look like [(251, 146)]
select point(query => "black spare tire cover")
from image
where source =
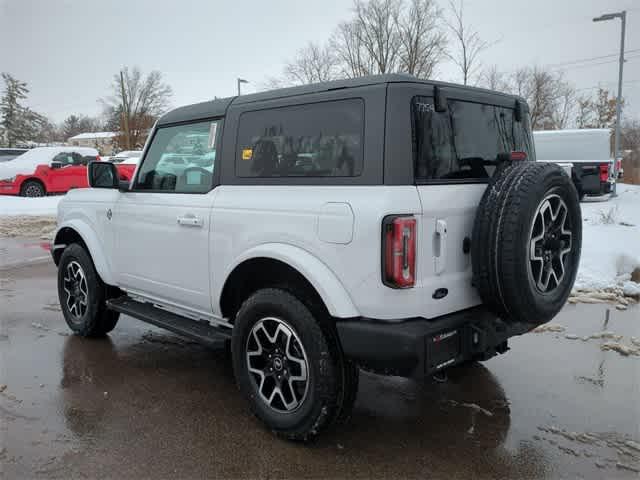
[(527, 237)]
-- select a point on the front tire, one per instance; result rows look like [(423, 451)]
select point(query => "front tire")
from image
[(82, 294), (289, 366)]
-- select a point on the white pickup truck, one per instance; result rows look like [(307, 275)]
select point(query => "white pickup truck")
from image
[(385, 223), (585, 154)]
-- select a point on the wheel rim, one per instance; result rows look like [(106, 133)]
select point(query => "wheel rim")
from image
[(33, 191), (278, 364), (550, 242), (76, 290)]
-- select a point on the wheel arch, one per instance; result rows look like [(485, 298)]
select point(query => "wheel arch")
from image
[(78, 232), (279, 265), (31, 178)]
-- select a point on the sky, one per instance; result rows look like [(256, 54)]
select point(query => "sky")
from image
[(68, 50)]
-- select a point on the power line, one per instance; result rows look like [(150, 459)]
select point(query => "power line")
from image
[(629, 82), (573, 62), (574, 67)]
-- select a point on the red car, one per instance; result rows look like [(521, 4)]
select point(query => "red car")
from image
[(44, 170)]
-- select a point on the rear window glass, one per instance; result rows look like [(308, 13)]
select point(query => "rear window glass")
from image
[(312, 140), (458, 143)]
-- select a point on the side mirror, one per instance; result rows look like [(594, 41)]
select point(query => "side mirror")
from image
[(102, 175), (55, 165)]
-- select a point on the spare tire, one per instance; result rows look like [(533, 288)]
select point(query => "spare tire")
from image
[(526, 241)]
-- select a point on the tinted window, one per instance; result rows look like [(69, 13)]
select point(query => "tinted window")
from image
[(313, 140), (180, 159), (68, 158), (456, 144)]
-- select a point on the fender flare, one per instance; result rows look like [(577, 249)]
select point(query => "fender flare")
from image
[(94, 245), (331, 291)]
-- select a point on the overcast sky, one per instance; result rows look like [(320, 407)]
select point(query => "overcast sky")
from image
[(68, 50)]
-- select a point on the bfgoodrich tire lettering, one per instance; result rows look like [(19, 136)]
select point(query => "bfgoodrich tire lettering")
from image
[(506, 272), (318, 406), (82, 294)]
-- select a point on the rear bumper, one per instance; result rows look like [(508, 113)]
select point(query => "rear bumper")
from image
[(418, 347)]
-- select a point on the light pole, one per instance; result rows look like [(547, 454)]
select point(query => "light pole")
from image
[(616, 149), (241, 80)]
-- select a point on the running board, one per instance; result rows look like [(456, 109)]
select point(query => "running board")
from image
[(200, 331)]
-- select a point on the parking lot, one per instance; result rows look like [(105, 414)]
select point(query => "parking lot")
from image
[(145, 403)]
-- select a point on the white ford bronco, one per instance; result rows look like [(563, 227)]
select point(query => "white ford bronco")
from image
[(384, 223)]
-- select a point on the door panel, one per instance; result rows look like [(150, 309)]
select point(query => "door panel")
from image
[(159, 253), (448, 213)]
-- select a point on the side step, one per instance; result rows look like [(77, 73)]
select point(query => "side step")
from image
[(201, 332)]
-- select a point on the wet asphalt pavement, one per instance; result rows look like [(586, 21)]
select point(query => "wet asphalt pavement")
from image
[(144, 403)]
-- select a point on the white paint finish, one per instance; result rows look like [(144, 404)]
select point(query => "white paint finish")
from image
[(186, 266), (335, 223), (584, 145), (156, 255), (450, 207), (85, 211), (245, 217)]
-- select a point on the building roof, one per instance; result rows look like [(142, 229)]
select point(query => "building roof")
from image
[(93, 135), (218, 107)]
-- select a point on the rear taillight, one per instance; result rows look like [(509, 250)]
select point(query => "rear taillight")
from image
[(399, 251), (604, 172)]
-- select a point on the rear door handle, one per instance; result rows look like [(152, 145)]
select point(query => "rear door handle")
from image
[(441, 233), (190, 220)]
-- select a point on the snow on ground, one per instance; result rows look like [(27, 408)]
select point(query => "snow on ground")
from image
[(611, 241), (46, 206)]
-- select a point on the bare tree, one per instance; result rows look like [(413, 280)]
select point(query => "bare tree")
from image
[(551, 99), (564, 105), (494, 79), (138, 101), (351, 52), (422, 42), (313, 63), (469, 43), (584, 116), (604, 108)]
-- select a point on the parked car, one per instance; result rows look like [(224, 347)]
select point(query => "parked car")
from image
[(44, 170), (7, 154), (122, 156), (127, 167), (382, 222), (585, 154)]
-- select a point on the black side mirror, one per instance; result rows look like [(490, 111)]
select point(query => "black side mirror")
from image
[(55, 165), (102, 175)]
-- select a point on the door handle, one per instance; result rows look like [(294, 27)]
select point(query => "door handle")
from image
[(441, 238), (190, 220)]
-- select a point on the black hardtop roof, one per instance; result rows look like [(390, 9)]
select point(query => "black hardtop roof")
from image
[(218, 107)]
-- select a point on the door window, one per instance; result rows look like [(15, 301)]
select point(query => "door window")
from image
[(180, 159), (312, 140), (456, 144), (65, 158)]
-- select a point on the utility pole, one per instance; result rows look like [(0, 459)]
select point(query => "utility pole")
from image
[(616, 149), (241, 80), (125, 113)]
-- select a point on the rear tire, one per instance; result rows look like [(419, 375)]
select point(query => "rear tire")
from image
[(83, 295), (275, 333), (32, 188)]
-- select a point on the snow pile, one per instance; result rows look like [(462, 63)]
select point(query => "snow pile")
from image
[(611, 243), (28, 226), (47, 206)]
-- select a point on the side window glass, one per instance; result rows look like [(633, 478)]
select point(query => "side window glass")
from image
[(312, 140), (76, 159), (180, 159), (65, 158)]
